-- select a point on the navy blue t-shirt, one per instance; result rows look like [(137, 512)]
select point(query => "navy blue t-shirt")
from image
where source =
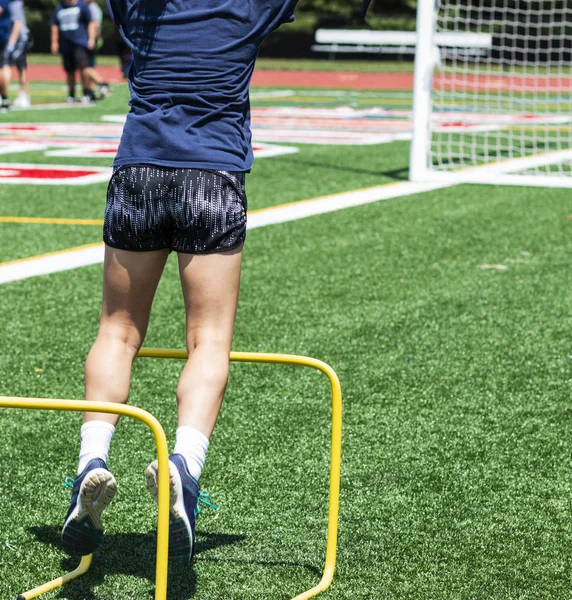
[(191, 71), (72, 21), (5, 22)]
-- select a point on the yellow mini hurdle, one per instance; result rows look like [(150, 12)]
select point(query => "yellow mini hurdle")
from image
[(163, 458)]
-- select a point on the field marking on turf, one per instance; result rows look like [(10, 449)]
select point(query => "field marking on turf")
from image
[(52, 262), (325, 204), (91, 254), (23, 173), (50, 221)]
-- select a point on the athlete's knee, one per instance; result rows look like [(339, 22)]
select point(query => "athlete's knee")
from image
[(120, 337), (209, 362)]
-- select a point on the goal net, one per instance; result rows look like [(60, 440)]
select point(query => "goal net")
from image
[(493, 92)]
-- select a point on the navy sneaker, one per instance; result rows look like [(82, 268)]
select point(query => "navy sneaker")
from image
[(93, 490), (183, 508)]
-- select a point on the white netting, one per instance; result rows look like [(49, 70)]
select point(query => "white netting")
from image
[(506, 93)]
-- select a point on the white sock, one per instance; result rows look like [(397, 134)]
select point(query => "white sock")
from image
[(192, 445), (95, 441)]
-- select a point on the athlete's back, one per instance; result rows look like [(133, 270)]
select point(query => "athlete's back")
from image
[(192, 66)]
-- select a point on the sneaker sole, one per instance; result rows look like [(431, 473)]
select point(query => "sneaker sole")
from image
[(82, 532), (181, 541)]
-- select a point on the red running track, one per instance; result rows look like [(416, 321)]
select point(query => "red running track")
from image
[(354, 81), (288, 79)]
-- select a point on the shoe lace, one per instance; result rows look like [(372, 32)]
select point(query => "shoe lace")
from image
[(68, 483), (204, 499)]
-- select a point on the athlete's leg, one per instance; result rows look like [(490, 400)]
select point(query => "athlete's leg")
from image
[(129, 283), (210, 285), (4, 78), (7, 76), (70, 79), (91, 77), (23, 99), (210, 288), (210, 218), (24, 83)]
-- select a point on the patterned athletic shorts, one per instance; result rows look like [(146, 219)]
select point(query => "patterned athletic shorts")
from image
[(186, 210)]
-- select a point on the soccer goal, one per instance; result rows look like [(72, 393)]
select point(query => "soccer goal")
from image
[(493, 92)]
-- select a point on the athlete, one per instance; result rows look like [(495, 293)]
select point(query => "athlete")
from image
[(178, 185), (17, 53), (97, 16), (73, 36), (8, 36)]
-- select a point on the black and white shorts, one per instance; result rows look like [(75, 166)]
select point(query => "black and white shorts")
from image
[(186, 210)]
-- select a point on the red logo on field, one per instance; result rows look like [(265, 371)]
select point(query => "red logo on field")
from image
[(52, 174), (85, 140)]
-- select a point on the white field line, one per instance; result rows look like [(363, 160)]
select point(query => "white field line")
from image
[(506, 172), (93, 254), (54, 106), (51, 263), (326, 204)]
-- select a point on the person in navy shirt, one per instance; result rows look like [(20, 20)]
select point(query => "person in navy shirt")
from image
[(9, 32), (73, 36), (178, 185)]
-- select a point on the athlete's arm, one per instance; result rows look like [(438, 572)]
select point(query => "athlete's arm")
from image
[(55, 36), (16, 15), (97, 17), (14, 36), (87, 18), (92, 32)]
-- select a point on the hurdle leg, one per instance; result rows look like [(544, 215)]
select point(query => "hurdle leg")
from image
[(59, 581), (162, 560)]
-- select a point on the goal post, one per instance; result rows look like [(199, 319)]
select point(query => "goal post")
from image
[(493, 92)]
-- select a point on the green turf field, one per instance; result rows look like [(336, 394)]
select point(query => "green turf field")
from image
[(457, 439)]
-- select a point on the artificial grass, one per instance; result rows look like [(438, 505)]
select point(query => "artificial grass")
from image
[(56, 93), (455, 474), (26, 240), (456, 439)]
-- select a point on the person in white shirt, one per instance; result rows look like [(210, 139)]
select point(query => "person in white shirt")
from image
[(17, 53)]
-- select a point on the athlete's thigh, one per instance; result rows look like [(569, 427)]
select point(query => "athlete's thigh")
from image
[(21, 63), (81, 57), (210, 285), (68, 62), (130, 280)]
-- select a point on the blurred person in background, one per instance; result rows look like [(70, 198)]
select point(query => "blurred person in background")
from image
[(97, 17), (17, 53), (8, 37), (73, 36)]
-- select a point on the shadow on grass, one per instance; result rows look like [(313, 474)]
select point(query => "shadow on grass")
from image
[(395, 174), (264, 563), (130, 554)]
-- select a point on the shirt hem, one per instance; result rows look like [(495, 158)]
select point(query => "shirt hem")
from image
[(208, 166)]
